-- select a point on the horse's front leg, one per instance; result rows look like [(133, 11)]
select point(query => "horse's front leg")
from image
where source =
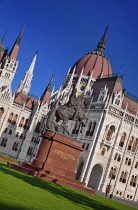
[(64, 125)]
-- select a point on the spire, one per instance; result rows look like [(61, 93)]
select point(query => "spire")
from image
[(45, 98), (49, 87), (2, 40), (101, 45), (25, 84), (14, 51)]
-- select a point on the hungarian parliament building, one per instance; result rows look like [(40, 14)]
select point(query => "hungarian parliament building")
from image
[(109, 135)]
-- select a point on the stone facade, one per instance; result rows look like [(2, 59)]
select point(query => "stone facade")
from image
[(109, 135)]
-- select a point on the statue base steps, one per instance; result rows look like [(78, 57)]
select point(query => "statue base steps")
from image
[(56, 161)]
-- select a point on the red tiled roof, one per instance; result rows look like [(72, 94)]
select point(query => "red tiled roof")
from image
[(21, 98)]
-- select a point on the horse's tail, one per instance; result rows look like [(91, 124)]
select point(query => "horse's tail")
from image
[(50, 119)]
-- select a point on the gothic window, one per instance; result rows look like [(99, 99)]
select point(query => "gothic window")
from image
[(110, 133), (103, 151), (21, 122), (10, 118), (37, 129), (30, 150), (134, 145), (3, 142), (130, 143), (123, 177), (21, 136), (117, 98), (112, 173), (136, 165), (117, 157), (10, 131), (25, 124), (32, 139), (83, 145), (1, 111), (76, 128), (15, 146), (6, 129), (128, 161), (14, 119), (91, 129), (122, 140), (17, 134), (87, 147), (103, 94), (133, 181)]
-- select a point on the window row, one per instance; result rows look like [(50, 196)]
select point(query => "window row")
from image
[(35, 140), (123, 176), (15, 146), (133, 142), (85, 146), (13, 119), (90, 130), (22, 136)]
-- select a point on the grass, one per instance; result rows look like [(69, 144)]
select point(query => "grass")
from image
[(23, 192), (7, 158)]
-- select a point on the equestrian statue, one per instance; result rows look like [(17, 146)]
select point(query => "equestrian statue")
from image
[(72, 110)]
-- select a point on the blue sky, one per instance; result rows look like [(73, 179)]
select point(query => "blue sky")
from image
[(65, 30)]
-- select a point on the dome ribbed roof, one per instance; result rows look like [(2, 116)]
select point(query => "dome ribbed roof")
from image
[(96, 62)]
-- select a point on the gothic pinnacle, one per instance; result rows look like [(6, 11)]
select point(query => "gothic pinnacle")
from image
[(101, 45)]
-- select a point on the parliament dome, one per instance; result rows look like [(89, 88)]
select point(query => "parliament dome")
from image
[(94, 62)]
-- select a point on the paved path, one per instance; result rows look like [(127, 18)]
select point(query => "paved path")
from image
[(121, 200)]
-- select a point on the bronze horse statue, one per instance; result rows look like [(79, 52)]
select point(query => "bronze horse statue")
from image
[(73, 110)]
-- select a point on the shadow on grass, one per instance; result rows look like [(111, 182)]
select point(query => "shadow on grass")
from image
[(58, 190)]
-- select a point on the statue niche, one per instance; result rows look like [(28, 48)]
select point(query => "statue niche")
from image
[(73, 110)]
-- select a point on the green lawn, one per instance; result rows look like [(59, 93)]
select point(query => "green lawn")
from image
[(22, 191)]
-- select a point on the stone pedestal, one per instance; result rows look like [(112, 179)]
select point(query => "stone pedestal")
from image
[(58, 154), (56, 161)]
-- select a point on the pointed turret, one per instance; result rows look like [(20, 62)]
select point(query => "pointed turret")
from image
[(15, 49), (3, 51), (45, 98), (102, 44), (25, 84)]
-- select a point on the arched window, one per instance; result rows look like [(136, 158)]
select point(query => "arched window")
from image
[(130, 143), (122, 140), (10, 117), (135, 143), (21, 136), (25, 124), (103, 151), (21, 122), (112, 173), (1, 111), (123, 177), (37, 129), (30, 150), (14, 119), (133, 180), (117, 157), (110, 132), (136, 165), (15, 146), (6, 129), (3, 142), (76, 128), (91, 129), (10, 131)]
